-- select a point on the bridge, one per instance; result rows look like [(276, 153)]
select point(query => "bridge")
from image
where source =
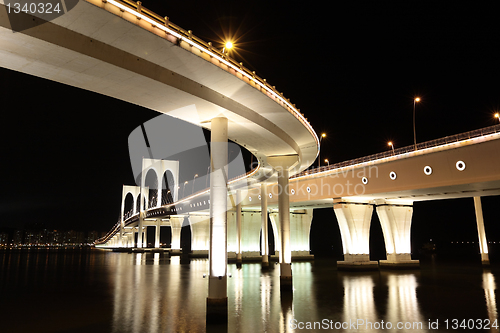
[(122, 50), (456, 166)]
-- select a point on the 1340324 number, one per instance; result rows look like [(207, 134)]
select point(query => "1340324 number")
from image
[(478, 324), (33, 8)]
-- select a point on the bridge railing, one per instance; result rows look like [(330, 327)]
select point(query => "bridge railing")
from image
[(237, 66), (403, 150)]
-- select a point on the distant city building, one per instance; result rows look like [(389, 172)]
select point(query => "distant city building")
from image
[(4, 238)]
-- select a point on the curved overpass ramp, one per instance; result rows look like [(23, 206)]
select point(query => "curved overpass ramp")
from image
[(123, 52)]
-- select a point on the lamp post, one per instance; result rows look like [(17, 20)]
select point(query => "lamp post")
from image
[(194, 179), (497, 115), (415, 101), (326, 161), (228, 46), (392, 146), (184, 187), (319, 153)]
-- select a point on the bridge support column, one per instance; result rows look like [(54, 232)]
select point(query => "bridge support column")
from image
[(300, 225), (217, 283), (282, 165), (483, 244), (265, 236), (139, 230), (238, 228), (396, 226), (157, 234), (176, 226), (354, 222)]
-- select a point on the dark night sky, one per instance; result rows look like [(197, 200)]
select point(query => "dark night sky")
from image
[(352, 68)]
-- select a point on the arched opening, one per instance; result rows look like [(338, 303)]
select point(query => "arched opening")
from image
[(128, 206), (138, 204), (168, 186), (151, 181)]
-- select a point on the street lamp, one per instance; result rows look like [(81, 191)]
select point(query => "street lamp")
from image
[(228, 46), (497, 115), (415, 101), (184, 187), (194, 179), (392, 146), (319, 153), (326, 161)]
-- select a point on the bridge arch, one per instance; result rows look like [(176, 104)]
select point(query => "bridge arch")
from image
[(128, 205), (168, 187), (151, 188)]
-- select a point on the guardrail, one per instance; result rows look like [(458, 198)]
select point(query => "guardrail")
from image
[(403, 150), (207, 47)]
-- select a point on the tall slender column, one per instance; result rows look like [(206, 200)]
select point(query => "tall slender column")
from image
[(157, 235), (284, 215), (139, 228), (282, 164), (265, 237), (238, 227), (483, 244), (217, 284)]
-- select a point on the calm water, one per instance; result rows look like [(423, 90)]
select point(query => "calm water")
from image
[(99, 291)]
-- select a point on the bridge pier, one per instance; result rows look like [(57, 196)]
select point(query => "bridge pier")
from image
[(176, 227), (157, 233), (217, 282), (238, 228), (483, 244), (282, 164), (265, 237), (396, 227), (354, 221)]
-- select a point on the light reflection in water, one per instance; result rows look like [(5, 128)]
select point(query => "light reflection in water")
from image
[(358, 300), (402, 301), (489, 287), (155, 293)]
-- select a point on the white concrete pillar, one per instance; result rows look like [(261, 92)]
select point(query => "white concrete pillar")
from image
[(176, 227), (157, 234), (200, 234), (217, 283), (284, 215), (354, 221), (282, 165), (140, 227), (238, 227), (396, 226), (483, 244), (265, 236), (300, 227)]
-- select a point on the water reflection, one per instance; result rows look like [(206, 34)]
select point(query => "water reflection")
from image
[(358, 300), (150, 292), (402, 301), (489, 287)]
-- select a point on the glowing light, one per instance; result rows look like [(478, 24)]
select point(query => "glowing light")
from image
[(229, 45), (417, 99), (389, 143), (323, 135)]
